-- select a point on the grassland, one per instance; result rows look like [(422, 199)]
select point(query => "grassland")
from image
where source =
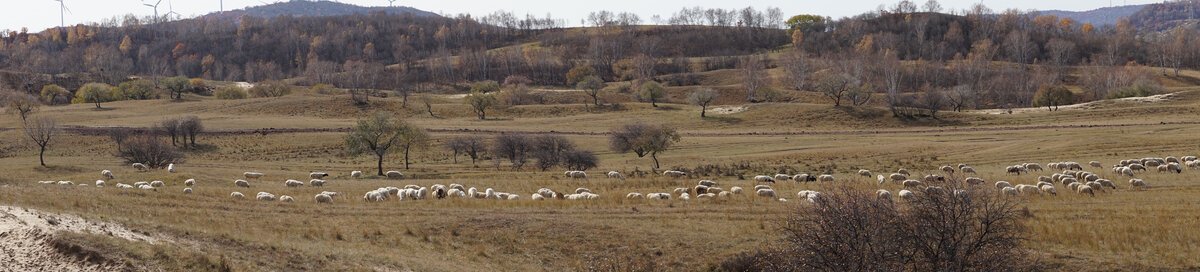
[(1123, 230)]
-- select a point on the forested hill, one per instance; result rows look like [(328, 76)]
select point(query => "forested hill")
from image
[(315, 9), (1165, 16), (1098, 17)]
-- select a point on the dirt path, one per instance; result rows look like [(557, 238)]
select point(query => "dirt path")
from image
[(26, 244)]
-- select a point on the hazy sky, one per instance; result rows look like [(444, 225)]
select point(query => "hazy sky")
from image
[(41, 14)]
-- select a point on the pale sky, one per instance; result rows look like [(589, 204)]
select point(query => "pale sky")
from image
[(41, 14)]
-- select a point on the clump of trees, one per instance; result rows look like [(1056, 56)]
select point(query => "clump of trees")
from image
[(643, 139), (548, 150), (94, 93), (1052, 96), (381, 134), (145, 148), (472, 146), (270, 89), (182, 130), (652, 92)]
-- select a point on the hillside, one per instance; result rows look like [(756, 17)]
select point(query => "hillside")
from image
[(1098, 17), (302, 8), (1164, 16)]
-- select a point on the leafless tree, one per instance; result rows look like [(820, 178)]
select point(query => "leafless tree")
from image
[(549, 150), (796, 69), (41, 130), (170, 127), (703, 97), (514, 147), (149, 150), (933, 100), (834, 86), (754, 76), (21, 104), (189, 127), (1020, 47)]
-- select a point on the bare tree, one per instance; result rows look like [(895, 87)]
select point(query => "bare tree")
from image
[(189, 127), (703, 97), (1020, 47), (754, 77), (149, 150), (960, 97), (514, 147), (933, 100), (591, 85), (21, 104), (170, 127), (834, 86), (471, 146), (378, 134), (549, 150), (579, 160), (41, 130), (796, 69)]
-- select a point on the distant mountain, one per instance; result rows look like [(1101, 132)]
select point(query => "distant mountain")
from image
[(1098, 17), (307, 8), (1164, 16)]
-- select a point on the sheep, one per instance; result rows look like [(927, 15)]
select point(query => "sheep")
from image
[(948, 169), (933, 178), (616, 175), (761, 178), (1163, 168), (898, 177), (813, 197), (659, 196), (438, 190), (317, 182), (724, 195), (865, 173), (708, 183), (1137, 167), (715, 190), (242, 183), (804, 178), (394, 175), (124, 186), (766, 193), (884, 195), (140, 167), (1094, 185), (456, 193), (1028, 189), (1003, 184), (674, 174), (705, 196), (187, 190), (1045, 179), (680, 190), (66, 183), (547, 193), (1188, 158), (1068, 180), (293, 183), (1137, 183), (806, 193), (140, 184), (912, 183), (265, 196), (171, 168), (534, 196), (1043, 183), (576, 174), (253, 175), (826, 178), (628, 196), (513, 197), (286, 199), (323, 198), (684, 196), (701, 189), (157, 183), (881, 179), (1015, 169), (974, 181), (1049, 189), (760, 187), (903, 171), (1106, 183), (189, 182), (317, 175), (1096, 164), (735, 190), (107, 174), (782, 177), (906, 195), (490, 193), (376, 195), (969, 170), (1032, 167), (1010, 191), (1174, 166), (99, 183), (237, 195), (1085, 190)]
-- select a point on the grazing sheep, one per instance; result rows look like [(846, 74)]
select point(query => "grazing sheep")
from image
[(1049, 189), (804, 178), (1137, 167), (628, 196), (1068, 180), (140, 184), (456, 193), (547, 193), (265, 196), (708, 183), (317, 175), (898, 177), (317, 182), (286, 199), (148, 188), (1096, 164), (948, 169), (813, 197), (684, 196), (1095, 185), (933, 178), (906, 195), (1043, 183), (157, 183), (680, 190), (66, 183), (826, 178), (616, 175), (1045, 179), (513, 197), (534, 196), (1032, 167), (1172, 159), (293, 183), (253, 175), (766, 193), (1085, 190), (171, 168), (187, 190), (394, 175), (1163, 168), (189, 182), (912, 183), (760, 187), (237, 195), (659, 196), (1188, 158), (701, 189), (1028, 189), (674, 174), (99, 183), (356, 174), (1010, 191), (1174, 167), (107, 174), (974, 181), (764, 179), (1137, 183), (706, 196), (1003, 184), (581, 190), (576, 174), (140, 167), (124, 186), (323, 198), (735, 190), (884, 195), (1016, 169), (714, 190), (242, 183), (903, 171), (865, 173), (968, 170), (1106, 183), (806, 193), (724, 195), (782, 177), (881, 179)]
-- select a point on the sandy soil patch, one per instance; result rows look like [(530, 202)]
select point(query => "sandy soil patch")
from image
[(727, 110), (25, 240), (1086, 106)]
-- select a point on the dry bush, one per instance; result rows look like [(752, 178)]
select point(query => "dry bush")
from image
[(149, 150)]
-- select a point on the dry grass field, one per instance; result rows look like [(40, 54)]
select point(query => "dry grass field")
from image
[(1121, 229)]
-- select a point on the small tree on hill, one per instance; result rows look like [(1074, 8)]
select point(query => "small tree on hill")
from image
[(703, 97), (834, 86), (95, 93), (41, 130), (55, 95), (378, 134), (514, 147), (652, 91), (1052, 96), (591, 86), (579, 73), (642, 139), (177, 86), (21, 104), (480, 103)]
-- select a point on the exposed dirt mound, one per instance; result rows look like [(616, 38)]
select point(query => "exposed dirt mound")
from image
[(27, 242)]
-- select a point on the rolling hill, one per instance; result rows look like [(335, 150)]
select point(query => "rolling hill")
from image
[(304, 8), (1100, 16)]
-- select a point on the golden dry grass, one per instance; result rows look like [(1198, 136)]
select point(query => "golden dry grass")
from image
[(1121, 230)]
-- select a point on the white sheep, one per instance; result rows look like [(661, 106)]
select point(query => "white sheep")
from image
[(974, 181), (323, 198), (582, 190), (1137, 183), (1085, 190), (1028, 189), (735, 190), (674, 174), (124, 186), (724, 195), (157, 183), (948, 169), (903, 171), (317, 182), (513, 197), (616, 175), (140, 184), (1049, 189), (659, 196), (635, 196), (782, 177), (906, 195), (107, 174), (237, 195), (99, 183), (1003, 184), (701, 189), (171, 168), (715, 190), (253, 175), (684, 196), (1095, 164), (935, 190), (933, 178), (881, 179), (760, 187), (576, 174), (766, 193), (293, 183), (265, 196), (317, 175), (456, 193), (761, 178), (826, 178), (394, 175), (534, 196), (140, 167), (708, 183), (356, 174), (865, 173), (912, 183), (1010, 191), (1107, 183), (897, 177), (187, 190), (968, 170), (189, 182), (66, 182), (242, 183), (1032, 167)]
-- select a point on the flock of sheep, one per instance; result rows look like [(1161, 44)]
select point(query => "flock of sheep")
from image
[(1072, 177)]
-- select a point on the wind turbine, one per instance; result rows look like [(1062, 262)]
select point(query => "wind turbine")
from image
[(155, 6), (171, 9), (62, 10), (391, 3)]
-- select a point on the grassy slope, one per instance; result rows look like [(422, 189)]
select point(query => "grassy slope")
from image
[(1126, 230)]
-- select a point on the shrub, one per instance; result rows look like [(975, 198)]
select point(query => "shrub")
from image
[(521, 95), (55, 95), (326, 89), (149, 150), (270, 89), (580, 160), (94, 93), (135, 90), (514, 147), (487, 86), (230, 93), (549, 150), (1140, 89), (199, 86)]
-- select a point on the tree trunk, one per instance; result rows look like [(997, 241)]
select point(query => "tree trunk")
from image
[(42, 156), (654, 155), (380, 164), (98, 105), (703, 109), (456, 157), (406, 149), (596, 98)]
